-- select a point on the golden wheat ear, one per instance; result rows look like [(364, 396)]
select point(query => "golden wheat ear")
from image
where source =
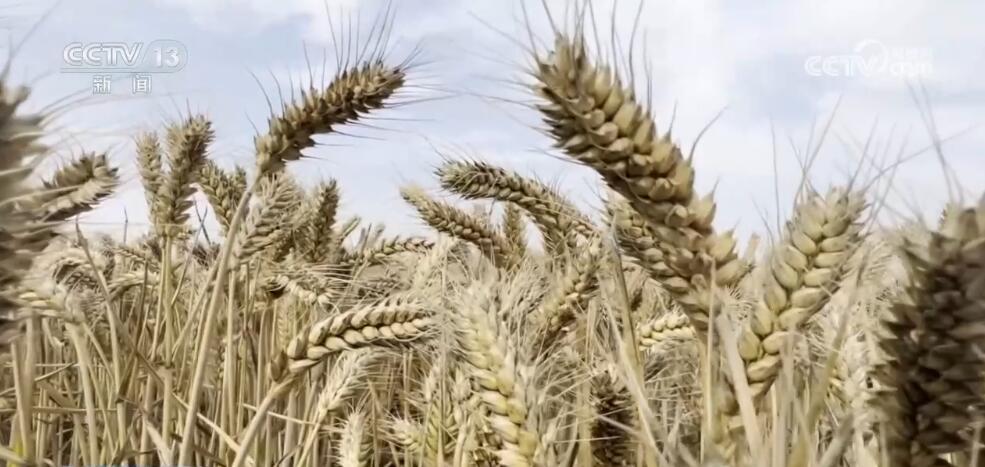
[(931, 373), (597, 121), (353, 93), (452, 221), (24, 229), (558, 220)]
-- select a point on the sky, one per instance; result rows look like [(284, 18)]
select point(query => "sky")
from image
[(774, 72)]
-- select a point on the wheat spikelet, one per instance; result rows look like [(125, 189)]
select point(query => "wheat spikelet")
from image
[(455, 222), (804, 271), (187, 145), (932, 371), (393, 320), (499, 379), (300, 282), (555, 216), (658, 332), (354, 92), (223, 190), (320, 219), (77, 187)]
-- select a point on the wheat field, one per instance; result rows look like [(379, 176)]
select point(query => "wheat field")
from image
[(532, 335)]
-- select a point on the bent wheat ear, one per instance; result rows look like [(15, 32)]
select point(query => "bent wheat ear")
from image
[(557, 218), (597, 121), (21, 233), (381, 252), (393, 320), (932, 368), (77, 187), (457, 223), (353, 93)]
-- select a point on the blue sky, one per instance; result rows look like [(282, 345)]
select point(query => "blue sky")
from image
[(760, 63)]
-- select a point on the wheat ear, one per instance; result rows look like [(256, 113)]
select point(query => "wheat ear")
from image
[(223, 190), (598, 122), (663, 330), (556, 218), (355, 447), (684, 272), (805, 269), (77, 187), (514, 229), (21, 233), (187, 145), (499, 378), (151, 168), (319, 220), (379, 253), (393, 320), (457, 223), (278, 195), (570, 296), (353, 92), (614, 416), (931, 368)]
